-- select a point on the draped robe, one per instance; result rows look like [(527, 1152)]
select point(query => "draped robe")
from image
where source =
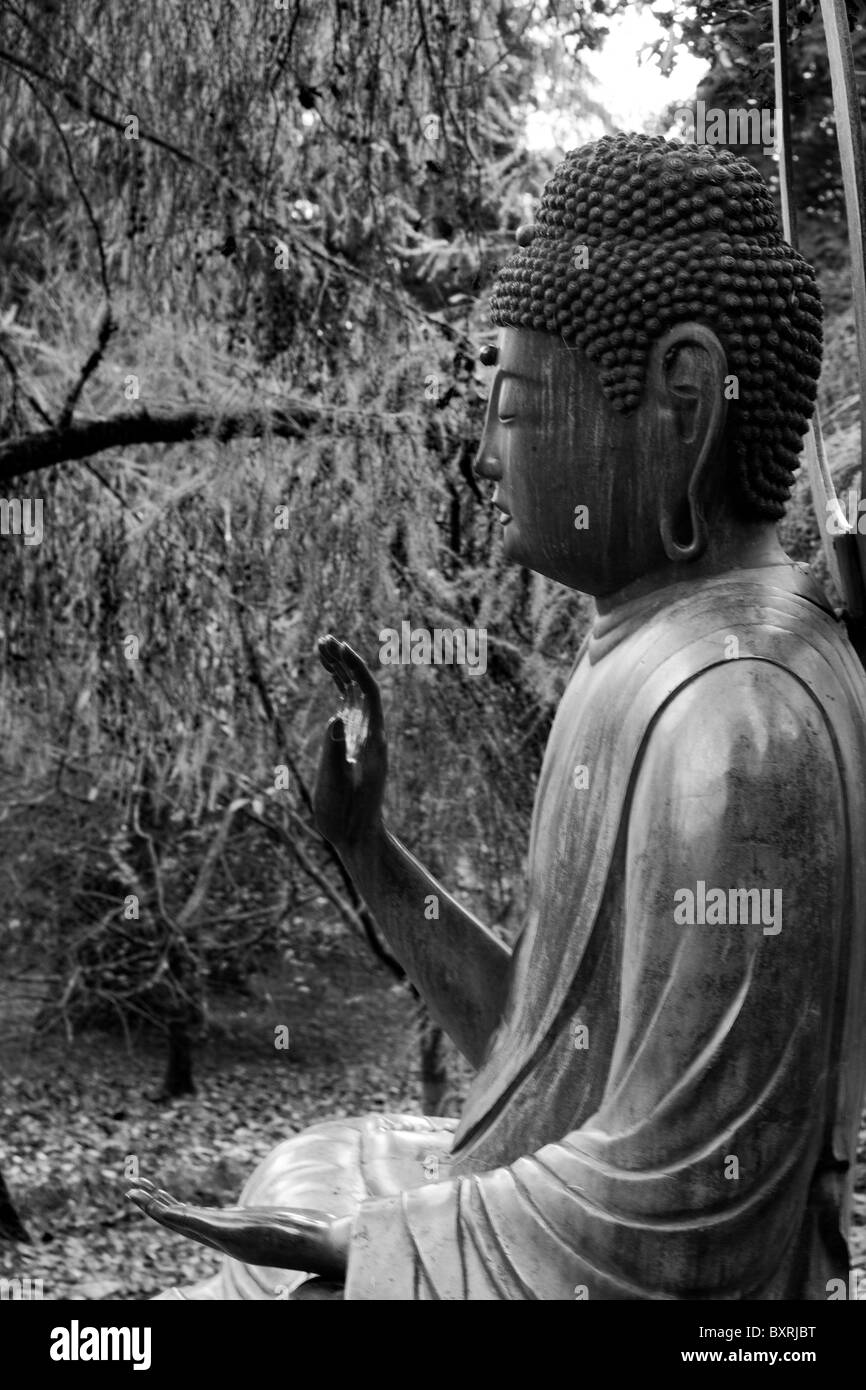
[(697, 1139), (665, 1111)]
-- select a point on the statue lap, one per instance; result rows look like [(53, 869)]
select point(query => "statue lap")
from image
[(333, 1167)]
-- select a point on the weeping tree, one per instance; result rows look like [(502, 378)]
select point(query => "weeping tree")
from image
[(249, 248)]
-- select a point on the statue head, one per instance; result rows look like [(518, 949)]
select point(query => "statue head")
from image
[(657, 365)]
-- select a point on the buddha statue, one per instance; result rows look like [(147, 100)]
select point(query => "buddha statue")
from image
[(670, 1063)]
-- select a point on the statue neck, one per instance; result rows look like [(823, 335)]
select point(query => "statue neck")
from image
[(735, 546)]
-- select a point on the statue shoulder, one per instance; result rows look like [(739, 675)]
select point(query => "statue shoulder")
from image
[(745, 742)]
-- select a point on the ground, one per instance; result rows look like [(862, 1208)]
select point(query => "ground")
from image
[(74, 1114)]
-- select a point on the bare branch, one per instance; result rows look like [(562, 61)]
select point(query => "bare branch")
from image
[(12, 369), (106, 328), (358, 907), (83, 438), (282, 837), (88, 109), (193, 904)]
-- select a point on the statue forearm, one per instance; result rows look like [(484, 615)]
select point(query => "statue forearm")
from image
[(455, 962)]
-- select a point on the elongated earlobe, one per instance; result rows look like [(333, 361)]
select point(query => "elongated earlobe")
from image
[(693, 549), (690, 369)]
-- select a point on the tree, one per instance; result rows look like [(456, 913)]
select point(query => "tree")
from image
[(11, 1226), (736, 38), (274, 226)]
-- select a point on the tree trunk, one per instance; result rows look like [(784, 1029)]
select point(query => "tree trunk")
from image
[(178, 1072), (11, 1227), (434, 1072)]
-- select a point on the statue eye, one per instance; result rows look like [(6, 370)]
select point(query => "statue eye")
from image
[(489, 355), (506, 406)]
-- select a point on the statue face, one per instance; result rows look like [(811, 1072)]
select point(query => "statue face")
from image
[(569, 470)]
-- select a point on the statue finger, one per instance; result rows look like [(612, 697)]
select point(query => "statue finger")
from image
[(354, 713), (329, 655), (213, 1226), (356, 726), (291, 1220), (360, 673), (210, 1225), (336, 730), (253, 1237), (344, 675), (154, 1207), (362, 712), (147, 1186)]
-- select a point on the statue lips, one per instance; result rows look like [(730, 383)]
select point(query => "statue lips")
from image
[(504, 516)]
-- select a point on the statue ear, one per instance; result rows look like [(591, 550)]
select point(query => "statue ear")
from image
[(687, 373)]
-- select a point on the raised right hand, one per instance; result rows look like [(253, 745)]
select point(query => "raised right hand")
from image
[(353, 766)]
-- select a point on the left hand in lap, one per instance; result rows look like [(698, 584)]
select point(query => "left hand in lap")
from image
[(312, 1241)]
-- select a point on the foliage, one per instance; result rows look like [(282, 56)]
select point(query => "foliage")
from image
[(313, 209), (736, 38)]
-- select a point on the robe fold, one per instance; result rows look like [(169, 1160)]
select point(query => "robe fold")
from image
[(607, 1170)]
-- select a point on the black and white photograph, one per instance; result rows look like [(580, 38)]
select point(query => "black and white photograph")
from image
[(432, 674)]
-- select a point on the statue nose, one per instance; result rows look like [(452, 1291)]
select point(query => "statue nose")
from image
[(486, 466)]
